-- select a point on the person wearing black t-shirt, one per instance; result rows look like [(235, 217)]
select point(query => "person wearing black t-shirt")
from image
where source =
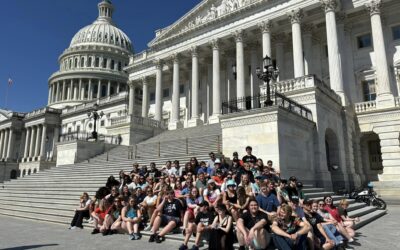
[(201, 226), (249, 158), (318, 233), (252, 228), (171, 211)]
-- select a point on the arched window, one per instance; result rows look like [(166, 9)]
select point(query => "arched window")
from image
[(119, 66), (76, 63), (23, 173), (70, 64), (29, 172), (82, 62), (89, 64), (112, 91), (97, 62), (35, 171)]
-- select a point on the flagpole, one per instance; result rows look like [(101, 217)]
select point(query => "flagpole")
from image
[(8, 87)]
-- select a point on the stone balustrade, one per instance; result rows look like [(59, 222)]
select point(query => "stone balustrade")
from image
[(363, 107), (40, 112), (120, 120)]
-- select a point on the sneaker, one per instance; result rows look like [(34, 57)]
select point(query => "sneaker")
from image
[(106, 232), (152, 237), (139, 236), (95, 231), (194, 247), (136, 236), (351, 240), (90, 221), (183, 247), (160, 239), (147, 228), (132, 237)]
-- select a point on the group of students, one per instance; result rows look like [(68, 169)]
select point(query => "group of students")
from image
[(245, 201)]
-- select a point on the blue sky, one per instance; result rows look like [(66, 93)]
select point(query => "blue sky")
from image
[(35, 33)]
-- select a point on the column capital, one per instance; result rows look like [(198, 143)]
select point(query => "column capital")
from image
[(215, 44), (175, 57), (341, 17), (131, 83), (194, 51), (329, 5), (158, 63), (238, 35), (295, 16), (265, 26), (374, 7)]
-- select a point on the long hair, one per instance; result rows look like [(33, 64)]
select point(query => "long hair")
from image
[(241, 195)]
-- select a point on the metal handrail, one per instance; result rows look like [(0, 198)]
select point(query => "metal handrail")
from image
[(259, 101)]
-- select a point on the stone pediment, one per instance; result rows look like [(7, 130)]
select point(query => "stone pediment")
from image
[(4, 115), (204, 13)]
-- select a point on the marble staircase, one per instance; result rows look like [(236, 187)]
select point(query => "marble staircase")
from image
[(51, 195)]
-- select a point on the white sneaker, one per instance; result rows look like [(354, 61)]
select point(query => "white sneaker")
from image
[(351, 240), (147, 228), (90, 221), (72, 228)]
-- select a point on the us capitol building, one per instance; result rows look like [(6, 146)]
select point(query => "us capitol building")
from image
[(335, 112)]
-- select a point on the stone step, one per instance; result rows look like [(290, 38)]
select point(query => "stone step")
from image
[(56, 207), (319, 195), (367, 218), (362, 211), (75, 193), (39, 211), (48, 196), (68, 200)]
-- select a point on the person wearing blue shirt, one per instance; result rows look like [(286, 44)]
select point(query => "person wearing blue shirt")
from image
[(267, 201)]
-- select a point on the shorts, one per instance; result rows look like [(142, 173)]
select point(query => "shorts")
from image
[(165, 219), (267, 238)]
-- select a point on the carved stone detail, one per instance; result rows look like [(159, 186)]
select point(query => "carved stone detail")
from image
[(295, 16), (238, 35), (215, 43), (194, 51), (265, 26), (329, 5), (248, 121), (158, 63), (175, 57), (374, 7)]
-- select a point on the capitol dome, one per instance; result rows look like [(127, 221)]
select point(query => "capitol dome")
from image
[(102, 31)]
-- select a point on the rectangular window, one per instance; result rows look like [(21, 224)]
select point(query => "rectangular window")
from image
[(396, 32), (152, 96), (165, 93), (369, 90), (364, 41), (102, 123), (181, 89), (78, 128)]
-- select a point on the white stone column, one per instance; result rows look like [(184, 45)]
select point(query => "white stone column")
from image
[(174, 122), (90, 90), (32, 143), (308, 48), (158, 101), (37, 142), (118, 87), (265, 28), (80, 97), (335, 64), (76, 91), (43, 143), (195, 121), (63, 91), (131, 108), (99, 89), (240, 77), (295, 17), (109, 88), (1, 143), (57, 91), (49, 100), (11, 139), (384, 94), (71, 90), (145, 98), (55, 140), (5, 144), (216, 81), (27, 140)]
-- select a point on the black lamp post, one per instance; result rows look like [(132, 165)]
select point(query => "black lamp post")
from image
[(96, 116), (269, 72)]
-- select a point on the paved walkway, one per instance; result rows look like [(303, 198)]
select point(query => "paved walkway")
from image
[(26, 234)]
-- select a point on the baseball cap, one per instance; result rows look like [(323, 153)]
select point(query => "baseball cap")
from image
[(293, 178), (217, 161), (231, 183)]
